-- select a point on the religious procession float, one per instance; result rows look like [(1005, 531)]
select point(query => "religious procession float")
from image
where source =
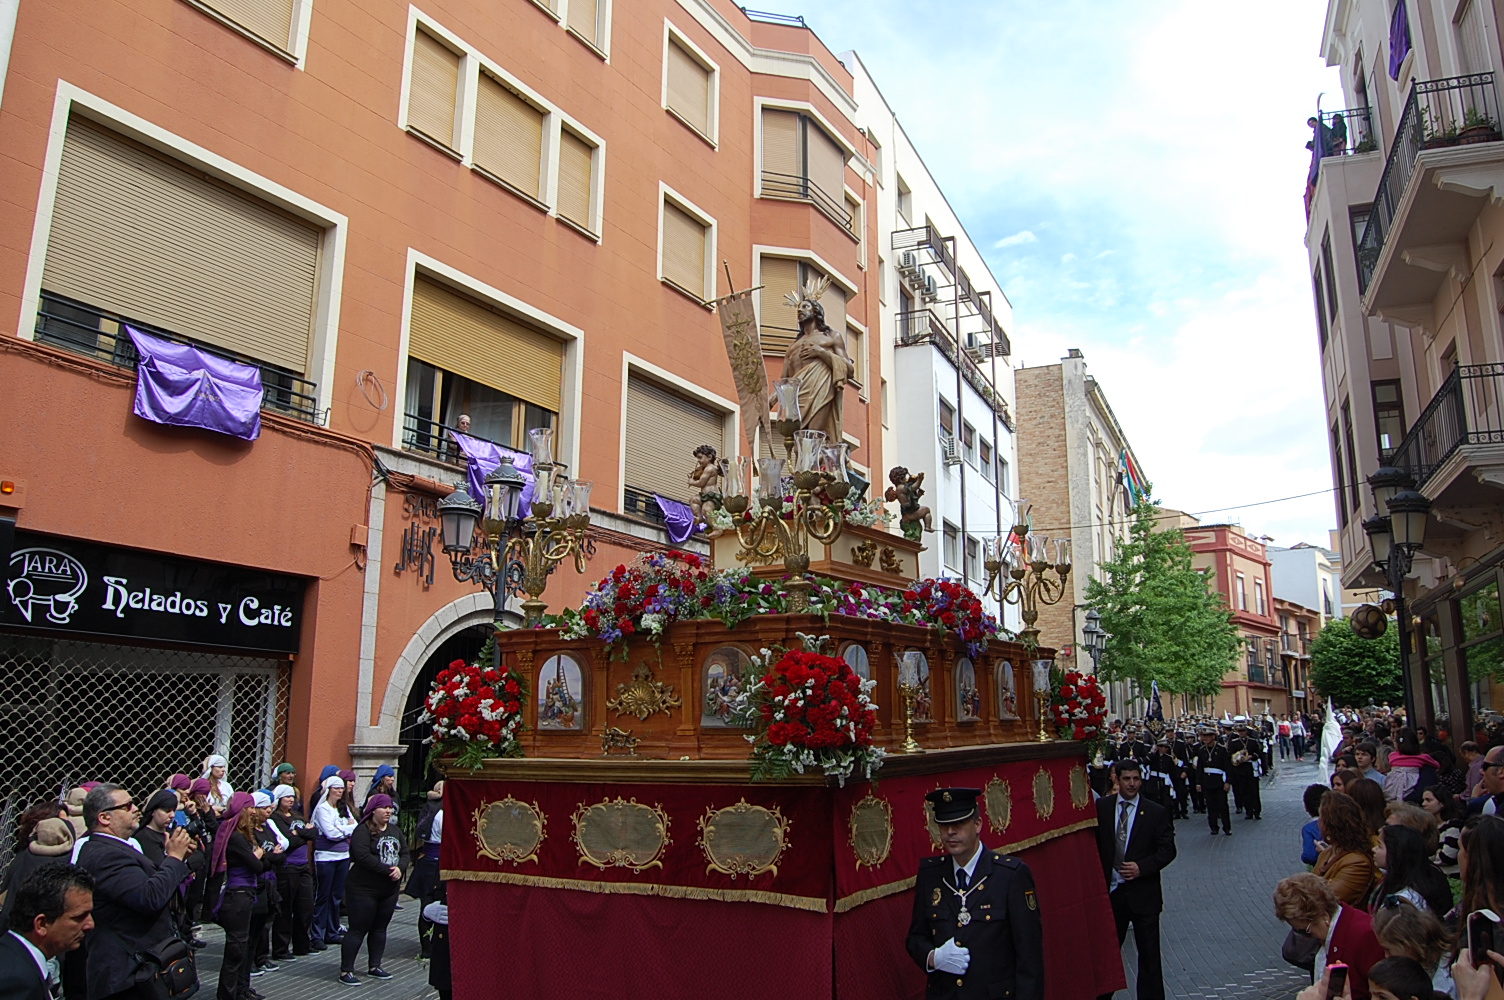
[(709, 779)]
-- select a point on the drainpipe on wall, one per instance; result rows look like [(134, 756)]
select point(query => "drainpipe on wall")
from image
[(9, 9)]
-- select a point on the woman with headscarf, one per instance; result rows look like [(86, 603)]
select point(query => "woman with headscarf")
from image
[(268, 900), (241, 860), (287, 774), (333, 821), (384, 781), (329, 771), (203, 891), (378, 860), (292, 924), (215, 766)]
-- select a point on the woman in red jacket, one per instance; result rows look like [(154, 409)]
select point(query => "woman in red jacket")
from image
[(1309, 904)]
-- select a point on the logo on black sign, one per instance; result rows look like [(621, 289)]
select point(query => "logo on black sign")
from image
[(46, 580)]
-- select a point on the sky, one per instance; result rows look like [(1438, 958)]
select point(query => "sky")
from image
[(1136, 187)]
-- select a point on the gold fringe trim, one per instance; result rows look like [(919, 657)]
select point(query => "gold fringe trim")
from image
[(856, 899), (645, 889)]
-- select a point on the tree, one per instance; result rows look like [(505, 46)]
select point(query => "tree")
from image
[(1354, 671), (1164, 622)]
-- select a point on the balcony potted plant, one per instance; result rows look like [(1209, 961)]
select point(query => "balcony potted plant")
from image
[(1436, 131), (1477, 127)]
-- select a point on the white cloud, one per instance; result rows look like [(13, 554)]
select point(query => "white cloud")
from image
[(1017, 239)]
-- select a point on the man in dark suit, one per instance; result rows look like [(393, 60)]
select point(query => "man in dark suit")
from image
[(130, 896), (51, 914), (1136, 838), (976, 928)]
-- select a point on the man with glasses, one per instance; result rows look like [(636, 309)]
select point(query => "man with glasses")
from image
[(131, 894), (1491, 802)]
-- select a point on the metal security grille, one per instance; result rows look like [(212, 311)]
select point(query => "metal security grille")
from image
[(81, 711)]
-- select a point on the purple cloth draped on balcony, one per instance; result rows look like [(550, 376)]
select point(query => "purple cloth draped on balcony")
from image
[(180, 385), (1399, 39), (678, 518), (485, 456)]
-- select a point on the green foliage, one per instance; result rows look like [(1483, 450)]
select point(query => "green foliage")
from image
[(1164, 623), (1356, 671)]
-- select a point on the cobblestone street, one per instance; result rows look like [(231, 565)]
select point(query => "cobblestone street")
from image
[(1219, 933)]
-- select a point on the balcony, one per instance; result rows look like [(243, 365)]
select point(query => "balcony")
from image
[(795, 187), (1448, 133), (1462, 426), (93, 332), (1349, 132), (925, 326)]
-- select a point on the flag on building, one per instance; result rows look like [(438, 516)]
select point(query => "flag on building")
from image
[(1132, 477)]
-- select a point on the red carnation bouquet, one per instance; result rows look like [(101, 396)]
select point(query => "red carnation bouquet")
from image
[(476, 711), (950, 606), (1078, 708), (814, 712)]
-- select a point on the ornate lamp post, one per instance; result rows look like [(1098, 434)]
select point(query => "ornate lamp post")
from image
[(1393, 541), (1037, 567), (783, 522), (1095, 639), (518, 553)]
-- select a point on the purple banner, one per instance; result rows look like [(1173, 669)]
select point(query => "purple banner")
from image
[(183, 386), (1399, 40), (485, 456), (678, 518)]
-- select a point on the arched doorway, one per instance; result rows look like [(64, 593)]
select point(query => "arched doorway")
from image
[(414, 777)]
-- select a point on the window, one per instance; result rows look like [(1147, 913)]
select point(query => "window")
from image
[(577, 180), (270, 21), (146, 237), (1339, 474), (1002, 473), (1388, 417), (947, 420), (905, 201), (1331, 276), (1352, 454), (583, 19), (432, 91), (686, 248), (509, 137), (661, 423), (1472, 39), (690, 84), (801, 161), (876, 156), (1359, 219), (1321, 327), (858, 227), (984, 461), (969, 444), (1242, 592), (1258, 597), (779, 321), (883, 388), (856, 348), (974, 559), (466, 359), (952, 548), (882, 281)]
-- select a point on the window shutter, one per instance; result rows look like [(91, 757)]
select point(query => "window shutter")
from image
[(139, 235), (575, 156), (462, 336), (663, 430), (780, 143), (827, 163), (430, 98), (267, 19), (1473, 39), (584, 19), (508, 136), (834, 301), (779, 320), (688, 87), (683, 249)]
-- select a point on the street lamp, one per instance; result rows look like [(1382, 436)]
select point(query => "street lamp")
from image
[(1393, 541), (1095, 639)]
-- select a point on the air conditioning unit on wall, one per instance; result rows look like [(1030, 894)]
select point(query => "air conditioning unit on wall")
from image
[(949, 452)]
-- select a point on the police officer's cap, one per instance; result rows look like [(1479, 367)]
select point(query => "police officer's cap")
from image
[(952, 805)]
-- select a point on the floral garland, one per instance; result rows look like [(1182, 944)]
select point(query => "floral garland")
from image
[(950, 606), (476, 711), (1078, 708), (868, 514), (815, 712)]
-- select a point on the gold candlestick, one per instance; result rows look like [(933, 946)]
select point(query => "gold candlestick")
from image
[(909, 692), (1043, 697)]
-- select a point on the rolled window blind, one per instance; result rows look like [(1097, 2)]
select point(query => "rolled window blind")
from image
[(834, 301), (575, 156), (780, 143), (663, 430), (431, 95), (508, 135), (462, 336), (688, 87), (267, 19), (827, 163), (584, 18), (779, 320), (683, 249), (140, 235)]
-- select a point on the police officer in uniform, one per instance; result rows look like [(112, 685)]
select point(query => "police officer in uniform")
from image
[(976, 928), (1247, 754), (1213, 771)]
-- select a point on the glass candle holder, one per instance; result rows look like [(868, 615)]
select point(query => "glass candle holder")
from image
[(809, 447), (735, 470), (786, 395), (541, 445), (770, 478)]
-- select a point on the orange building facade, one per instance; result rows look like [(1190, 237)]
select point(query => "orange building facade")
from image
[(515, 211)]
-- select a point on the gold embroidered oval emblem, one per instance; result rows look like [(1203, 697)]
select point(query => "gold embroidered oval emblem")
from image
[(1044, 794), (743, 839), (621, 834), (1080, 788), (510, 830), (871, 831), (998, 796)]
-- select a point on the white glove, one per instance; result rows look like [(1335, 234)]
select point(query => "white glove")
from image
[(951, 957)]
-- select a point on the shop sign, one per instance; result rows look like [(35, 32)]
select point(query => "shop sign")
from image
[(66, 585)]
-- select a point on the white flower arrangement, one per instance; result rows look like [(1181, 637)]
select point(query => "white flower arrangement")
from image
[(868, 514)]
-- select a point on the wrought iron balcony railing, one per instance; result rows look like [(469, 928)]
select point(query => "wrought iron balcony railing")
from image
[(796, 187), (1458, 111), (431, 438), (1348, 132), (97, 333), (925, 326), (1468, 409), (640, 503)]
